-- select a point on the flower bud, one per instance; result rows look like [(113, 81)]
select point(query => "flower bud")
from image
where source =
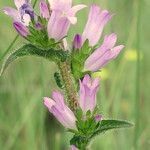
[(98, 118), (77, 43), (88, 91), (44, 11), (21, 29)]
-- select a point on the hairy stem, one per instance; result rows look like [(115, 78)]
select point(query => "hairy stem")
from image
[(69, 84)]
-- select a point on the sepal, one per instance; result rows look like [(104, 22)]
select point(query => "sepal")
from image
[(78, 59)]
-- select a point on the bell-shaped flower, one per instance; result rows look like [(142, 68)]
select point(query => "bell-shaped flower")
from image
[(88, 90), (60, 110), (62, 16), (24, 12), (105, 53), (21, 29), (97, 20), (44, 10)]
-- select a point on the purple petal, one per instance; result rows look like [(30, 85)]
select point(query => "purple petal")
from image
[(48, 102), (12, 13), (106, 58), (19, 3), (82, 101), (60, 4), (109, 42), (58, 26), (21, 29), (88, 90), (96, 21), (61, 111), (44, 9), (59, 99), (75, 9)]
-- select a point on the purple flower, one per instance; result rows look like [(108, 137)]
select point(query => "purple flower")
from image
[(98, 118), (77, 43), (63, 15), (96, 22), (88, 90), (61, 111), (21, 29), (45, 13), (73, 147), (103, 54), (24, 12)]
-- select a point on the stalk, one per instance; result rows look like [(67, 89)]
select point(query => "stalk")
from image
[(137, 88), (69, 84)]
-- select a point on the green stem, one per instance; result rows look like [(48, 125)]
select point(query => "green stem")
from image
[(69, 84), (137, 89), (9, 47)]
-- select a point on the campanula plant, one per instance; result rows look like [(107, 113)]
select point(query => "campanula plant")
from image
[(75, 105)]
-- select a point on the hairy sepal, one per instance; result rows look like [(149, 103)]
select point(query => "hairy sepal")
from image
[(79, 57)]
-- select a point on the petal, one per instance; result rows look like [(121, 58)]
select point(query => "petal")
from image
[(59, 99), (86, 79), (12, 13), (60, 4), (73, 20), (44, 11), (96, 83), (82, 100), (26, 19), (114, 52), (48, 102), (109, 42), (96, 21), (59, 116), (58, 26), (75, 9), (108, 56), (66, 117), (19, 3)]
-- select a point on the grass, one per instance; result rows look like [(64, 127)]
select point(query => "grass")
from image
[(24, 122)]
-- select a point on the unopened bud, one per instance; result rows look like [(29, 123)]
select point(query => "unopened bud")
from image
[(21, 29)]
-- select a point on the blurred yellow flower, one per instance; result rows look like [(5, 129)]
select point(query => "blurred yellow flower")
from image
[(131, 55), (103, 74)]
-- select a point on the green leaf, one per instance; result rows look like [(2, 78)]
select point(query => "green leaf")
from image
[(78, 59), (31, 50), (106, 125), (58, 80)]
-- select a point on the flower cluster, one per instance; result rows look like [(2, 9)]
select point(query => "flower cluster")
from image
[(48, 30)]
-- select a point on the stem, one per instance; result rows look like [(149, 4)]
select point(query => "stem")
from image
[(69, 84), (137, 88)]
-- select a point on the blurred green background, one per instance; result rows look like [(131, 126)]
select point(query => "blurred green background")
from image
[(24, 122)]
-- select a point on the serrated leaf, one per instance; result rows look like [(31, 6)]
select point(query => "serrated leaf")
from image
[(31, 50), (106, 125)]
